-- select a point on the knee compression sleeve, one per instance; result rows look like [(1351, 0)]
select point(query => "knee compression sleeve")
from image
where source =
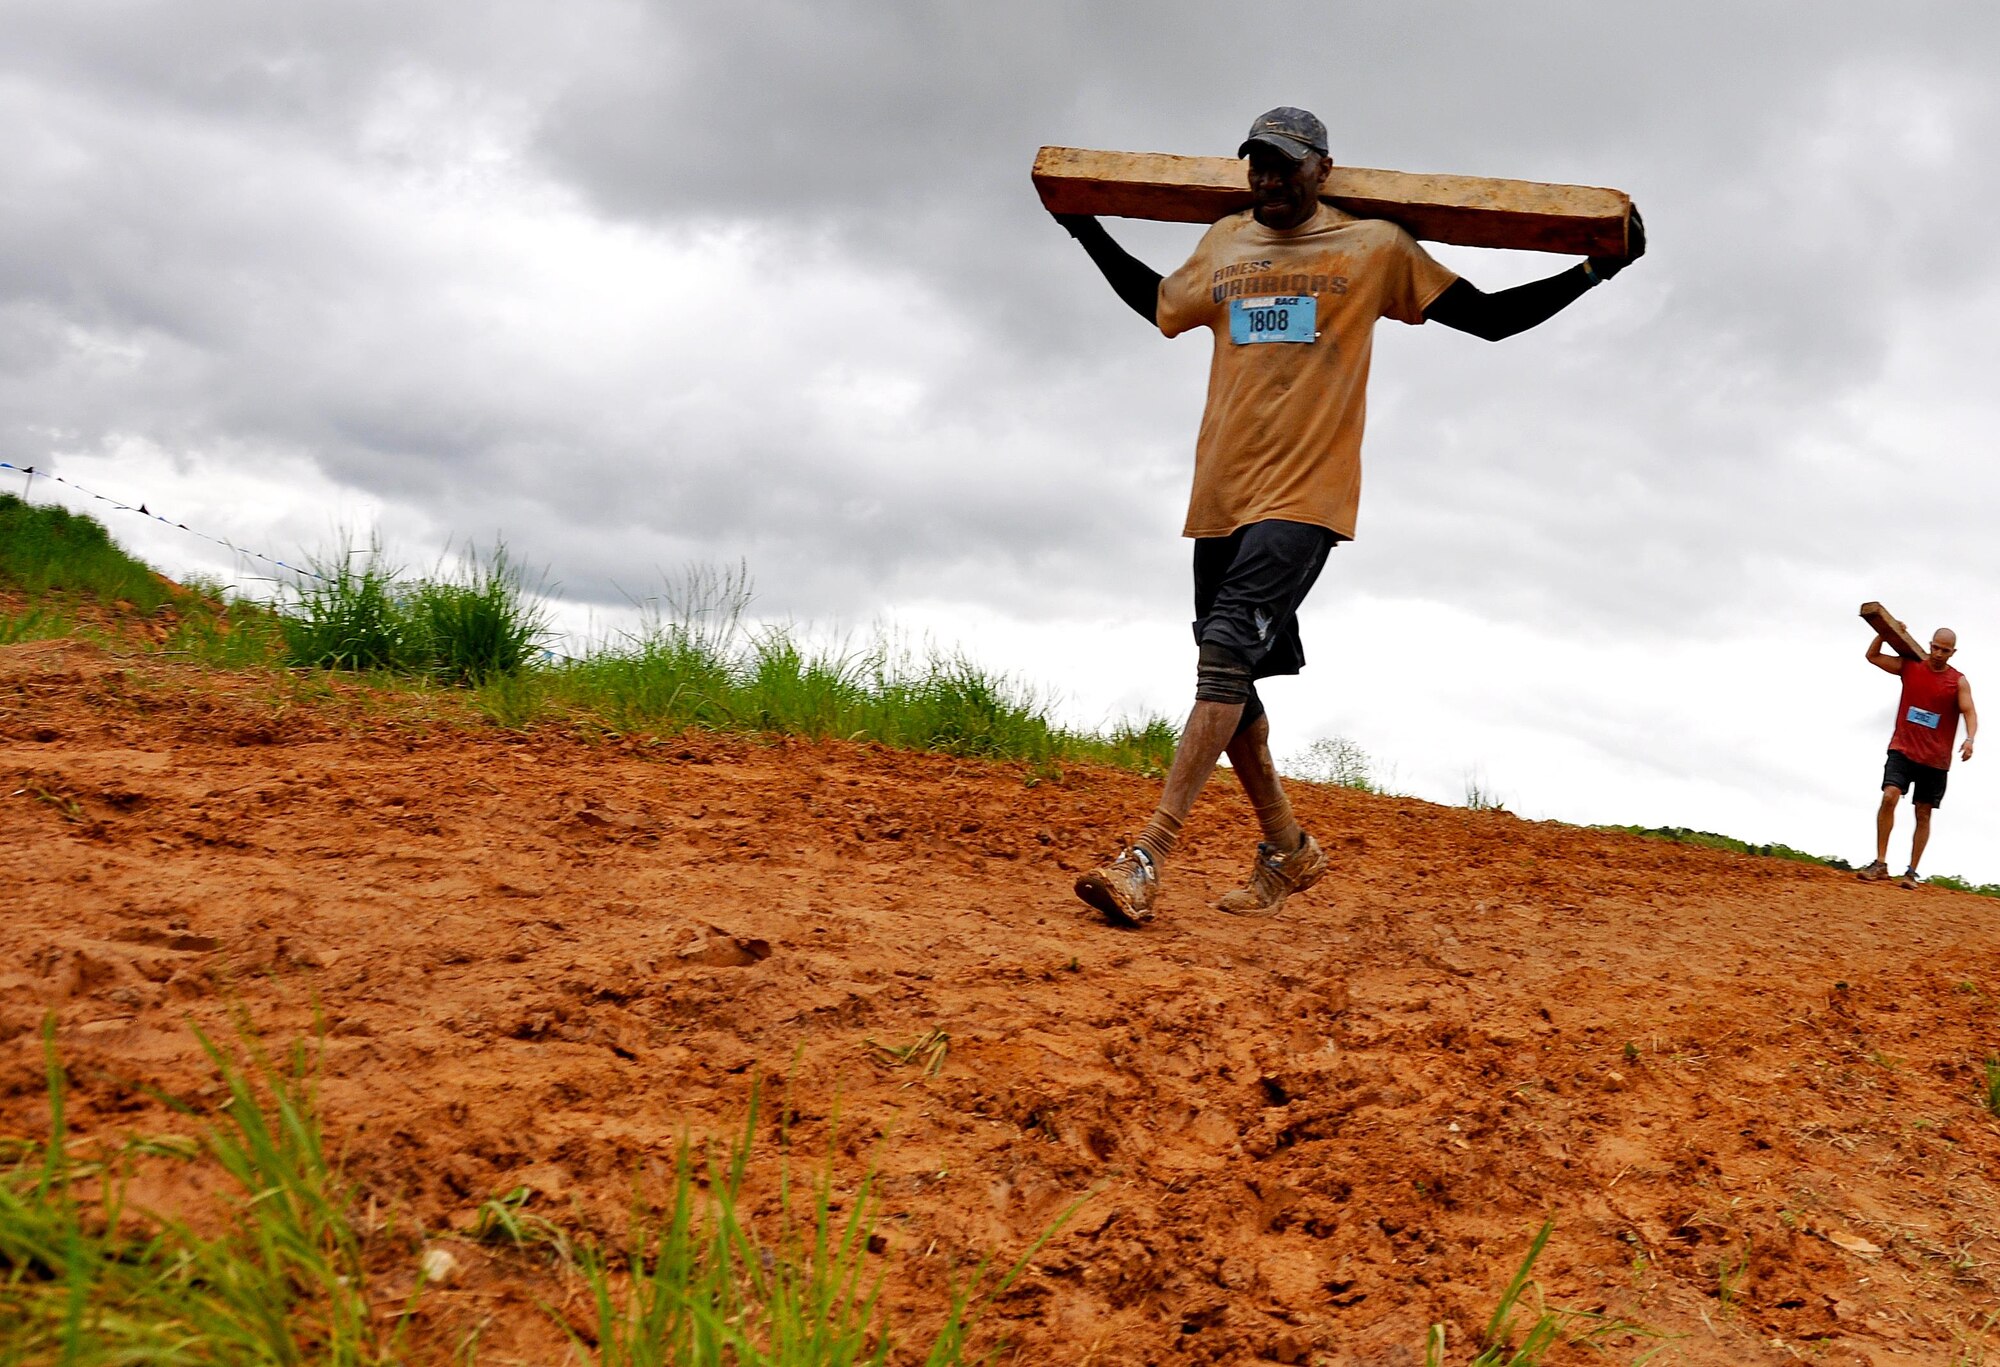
[(1253, 712), (1220, 675)]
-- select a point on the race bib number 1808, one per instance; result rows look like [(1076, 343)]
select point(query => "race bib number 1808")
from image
[(1276, 318)]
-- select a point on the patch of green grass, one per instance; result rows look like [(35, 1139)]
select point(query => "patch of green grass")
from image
[(233, 635), (356, 611), (516, 702), (1991, 1092), (1550, 1326), (703, 671), (86, 1280), (1145, 746), (1337, 762), (692, 664), (666, 680), (1945, 880), (35, 624), (352, 612), (480, 623), (1681, 835), (950, 705), (780, 687), (48, 550), (1479, 795), (700, 1288)]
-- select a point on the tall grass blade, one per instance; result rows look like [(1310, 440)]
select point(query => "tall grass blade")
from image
[(1502, 1323)]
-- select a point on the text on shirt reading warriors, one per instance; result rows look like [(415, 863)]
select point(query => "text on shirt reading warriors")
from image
[(1295, 283)]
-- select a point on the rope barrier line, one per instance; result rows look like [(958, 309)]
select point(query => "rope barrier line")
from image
[(140, 508)]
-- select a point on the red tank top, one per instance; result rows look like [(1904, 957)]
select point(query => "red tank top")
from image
[(1927, 714)]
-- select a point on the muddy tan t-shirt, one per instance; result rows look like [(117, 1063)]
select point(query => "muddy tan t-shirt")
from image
[(1293, 313)]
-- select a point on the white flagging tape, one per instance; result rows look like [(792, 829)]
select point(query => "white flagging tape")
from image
[(140, 508)]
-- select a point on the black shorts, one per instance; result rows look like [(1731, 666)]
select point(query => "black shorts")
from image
[(1905, 774), (1248, 587)]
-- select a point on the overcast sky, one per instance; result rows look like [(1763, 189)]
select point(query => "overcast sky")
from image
[(634, 285)]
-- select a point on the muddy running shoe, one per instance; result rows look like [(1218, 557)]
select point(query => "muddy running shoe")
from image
[(1874, 873), (1274, 877), (1908, 880), (1124, 889)]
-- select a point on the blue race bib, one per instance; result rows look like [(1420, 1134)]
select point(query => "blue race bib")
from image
[(1921, 717), (1275, 318)]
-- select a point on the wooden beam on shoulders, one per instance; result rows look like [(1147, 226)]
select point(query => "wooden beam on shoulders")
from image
[(1468, 211)]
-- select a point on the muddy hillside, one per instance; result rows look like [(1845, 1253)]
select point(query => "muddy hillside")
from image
[(1750, 1092)]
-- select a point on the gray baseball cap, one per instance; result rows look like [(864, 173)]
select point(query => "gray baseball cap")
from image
[(1291, 131)]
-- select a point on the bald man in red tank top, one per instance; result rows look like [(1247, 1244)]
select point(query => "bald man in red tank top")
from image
[(1934, 697)]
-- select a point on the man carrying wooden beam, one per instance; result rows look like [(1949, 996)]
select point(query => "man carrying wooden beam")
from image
[(1934, 697), (1290, 289)]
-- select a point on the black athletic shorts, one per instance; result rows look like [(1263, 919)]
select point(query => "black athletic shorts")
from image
[(1905, 774), (1248, 587)]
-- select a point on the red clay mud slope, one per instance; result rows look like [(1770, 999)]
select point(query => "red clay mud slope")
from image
[(1747, 1090)]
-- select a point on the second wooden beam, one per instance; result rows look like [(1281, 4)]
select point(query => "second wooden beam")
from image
[(1900, 638)]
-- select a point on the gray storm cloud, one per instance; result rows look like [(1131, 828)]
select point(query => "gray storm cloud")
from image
[(633, 284)]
